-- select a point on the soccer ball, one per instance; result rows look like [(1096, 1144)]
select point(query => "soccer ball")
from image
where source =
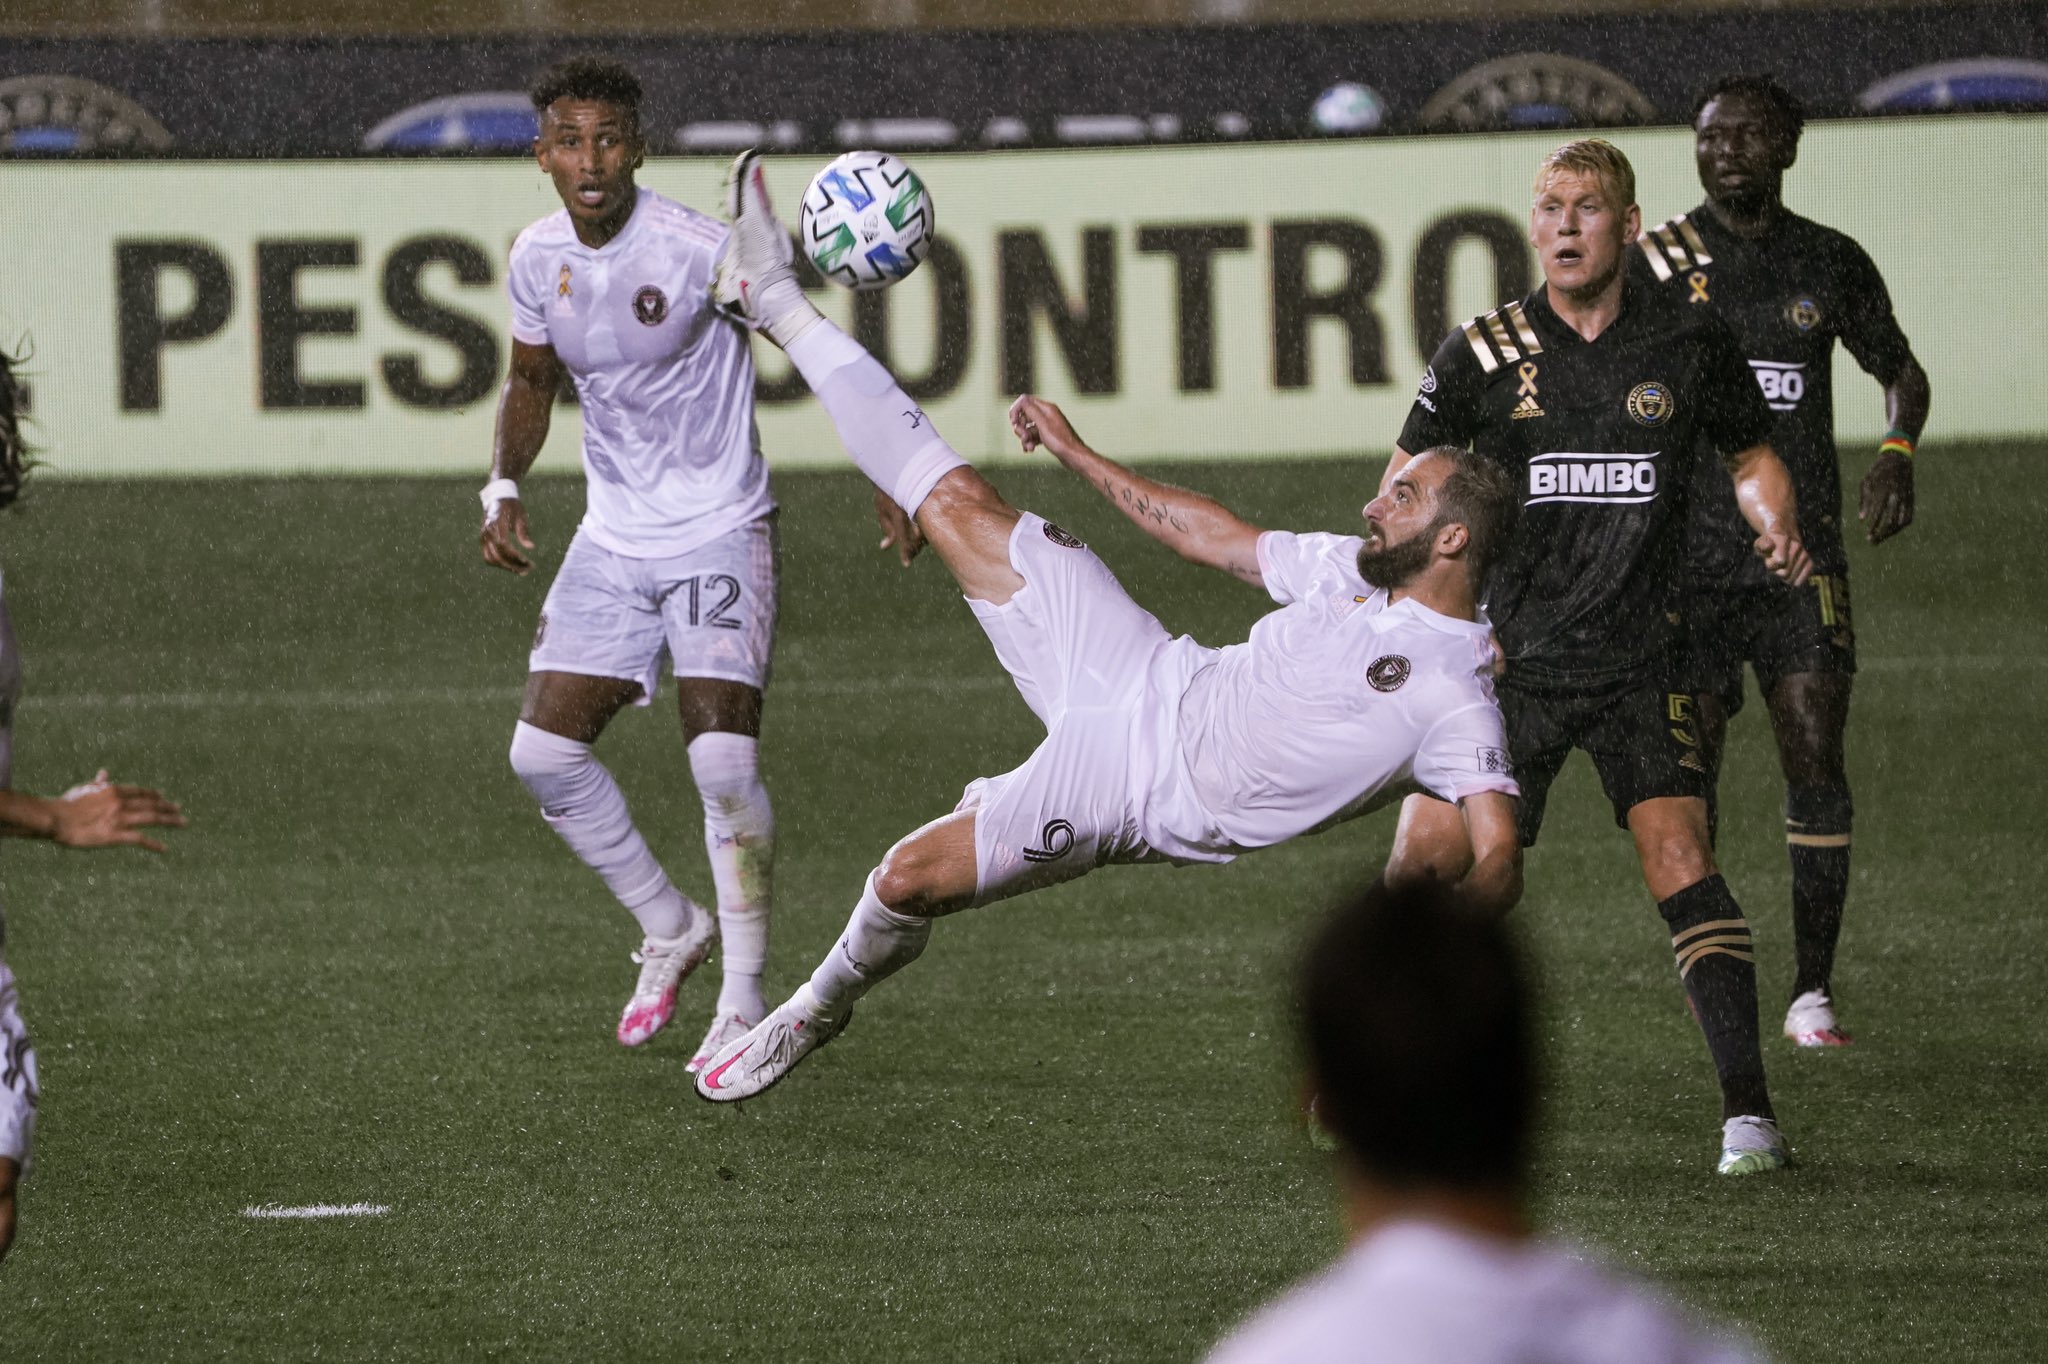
[(866, 221), (1348, 107)]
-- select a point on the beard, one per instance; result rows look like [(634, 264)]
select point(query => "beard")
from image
[(1391, 566)]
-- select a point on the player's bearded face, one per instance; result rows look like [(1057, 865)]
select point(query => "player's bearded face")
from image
[(1387, 563)]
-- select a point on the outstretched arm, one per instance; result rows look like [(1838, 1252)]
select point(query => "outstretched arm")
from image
[(96, 814), (525, 406), (1197, 528), (1763, 490)]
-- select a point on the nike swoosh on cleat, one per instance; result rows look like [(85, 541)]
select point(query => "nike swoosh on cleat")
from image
[(711, 1081)]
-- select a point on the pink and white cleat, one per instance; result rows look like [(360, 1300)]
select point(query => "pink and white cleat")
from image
[(1810, 1022), (725, 1029), (664, 965), (757, 1059)]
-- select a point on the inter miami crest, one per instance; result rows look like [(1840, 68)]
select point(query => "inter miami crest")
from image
[(650, 305), (1060, 537), (1650, 403), (1387, 672)]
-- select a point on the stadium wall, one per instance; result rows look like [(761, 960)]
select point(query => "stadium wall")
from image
[(1221, 301)]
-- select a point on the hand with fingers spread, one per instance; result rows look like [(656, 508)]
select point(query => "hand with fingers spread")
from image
[(100, 813), (1885, 505), (899, 532)]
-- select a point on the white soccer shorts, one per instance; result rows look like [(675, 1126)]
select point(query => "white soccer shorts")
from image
[(17, 1076), (1078, 649), (711, 612)]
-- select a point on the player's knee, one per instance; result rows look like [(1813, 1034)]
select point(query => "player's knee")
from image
[(908, 881), (726, 768), (1820, 808), (544, 761)]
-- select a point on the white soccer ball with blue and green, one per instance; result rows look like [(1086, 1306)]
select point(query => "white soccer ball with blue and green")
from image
[(866, 221)]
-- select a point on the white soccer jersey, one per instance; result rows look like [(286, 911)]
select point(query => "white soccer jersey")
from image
[(666, 382), (1422, 1293), (1337, 704)]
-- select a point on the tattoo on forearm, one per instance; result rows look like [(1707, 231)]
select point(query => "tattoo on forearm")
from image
[(1142, 506)]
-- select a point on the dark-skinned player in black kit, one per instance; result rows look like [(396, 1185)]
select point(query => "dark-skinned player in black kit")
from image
[(1789, 288)]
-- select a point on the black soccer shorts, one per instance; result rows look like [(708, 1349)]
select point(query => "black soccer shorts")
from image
[(1775, 629), (1641, 736)]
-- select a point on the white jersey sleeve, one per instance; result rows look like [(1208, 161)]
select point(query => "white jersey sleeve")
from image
[(1466, 752), (1288, 563), (529, 302)]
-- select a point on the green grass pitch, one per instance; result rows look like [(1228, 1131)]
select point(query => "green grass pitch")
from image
[(369, 973)]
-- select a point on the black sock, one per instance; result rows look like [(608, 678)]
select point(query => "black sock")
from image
[(1717, 962), (1817, 836)]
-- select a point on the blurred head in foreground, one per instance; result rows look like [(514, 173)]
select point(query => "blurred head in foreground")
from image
[(1420, 1052)]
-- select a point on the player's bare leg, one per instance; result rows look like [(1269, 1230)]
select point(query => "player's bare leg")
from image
[(563, 715), (721, 732), (1809, 714), (929, 873)]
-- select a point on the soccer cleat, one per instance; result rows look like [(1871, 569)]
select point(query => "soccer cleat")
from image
[(1751, 1146), (756, 276), (725, 1029), (1810, 1022), (664, 966), (750, 1064)]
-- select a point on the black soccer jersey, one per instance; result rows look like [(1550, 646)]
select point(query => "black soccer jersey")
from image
[(1603, 436), (1787, 296)]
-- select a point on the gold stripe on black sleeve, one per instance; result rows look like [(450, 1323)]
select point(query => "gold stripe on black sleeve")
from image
[(1527, 333), (1668, 239), (1659, 267), (1692, 239), (1477, 340), (1501, 337)]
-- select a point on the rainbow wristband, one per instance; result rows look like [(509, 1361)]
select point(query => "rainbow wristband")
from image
[(1896, 442)]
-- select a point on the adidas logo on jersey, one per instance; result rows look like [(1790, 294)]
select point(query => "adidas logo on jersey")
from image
[(1526, 408)]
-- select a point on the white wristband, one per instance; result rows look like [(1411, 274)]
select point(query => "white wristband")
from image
[(499, 490)]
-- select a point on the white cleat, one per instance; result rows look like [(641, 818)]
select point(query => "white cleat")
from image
[(725, 1029), (756, 277), (1752, 1146), (752, 1063), (664, 966), (1810, 1022)]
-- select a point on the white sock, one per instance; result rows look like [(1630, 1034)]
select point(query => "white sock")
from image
[(881, 426), (583, 804), (878, 942), (739, 836)]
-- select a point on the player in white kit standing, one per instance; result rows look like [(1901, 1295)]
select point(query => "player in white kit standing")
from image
[(94, 814), (1373, 679), (676, 554)]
